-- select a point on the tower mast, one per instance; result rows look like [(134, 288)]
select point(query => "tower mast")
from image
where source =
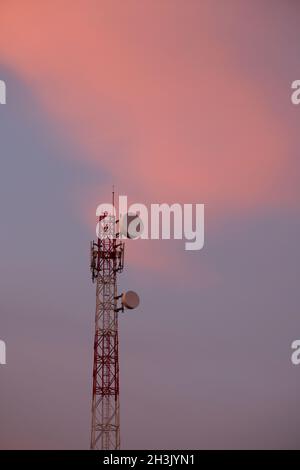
[(107, 260)]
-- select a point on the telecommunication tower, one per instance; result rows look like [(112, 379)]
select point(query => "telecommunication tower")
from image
[(107, 260)]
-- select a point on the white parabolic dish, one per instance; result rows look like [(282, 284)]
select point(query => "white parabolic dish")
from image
[(130, 299)]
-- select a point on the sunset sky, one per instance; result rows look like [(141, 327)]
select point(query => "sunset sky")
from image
[(182, 101)]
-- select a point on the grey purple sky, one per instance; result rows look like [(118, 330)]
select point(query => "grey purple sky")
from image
[(170, 101)]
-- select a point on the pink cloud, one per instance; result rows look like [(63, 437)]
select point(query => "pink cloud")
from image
[(154, 82)]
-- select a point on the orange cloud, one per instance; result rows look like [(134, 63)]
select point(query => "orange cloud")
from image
[(156, 85)]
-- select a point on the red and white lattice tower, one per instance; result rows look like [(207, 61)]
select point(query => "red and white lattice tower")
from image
[(107, 260)]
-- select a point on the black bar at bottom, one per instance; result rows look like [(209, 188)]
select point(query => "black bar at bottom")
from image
[(152, 458)]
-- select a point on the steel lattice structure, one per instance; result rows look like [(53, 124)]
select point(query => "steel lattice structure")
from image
[(107, 259)]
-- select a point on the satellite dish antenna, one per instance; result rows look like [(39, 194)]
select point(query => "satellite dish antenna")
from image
[(131, 226), (130, 300)]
